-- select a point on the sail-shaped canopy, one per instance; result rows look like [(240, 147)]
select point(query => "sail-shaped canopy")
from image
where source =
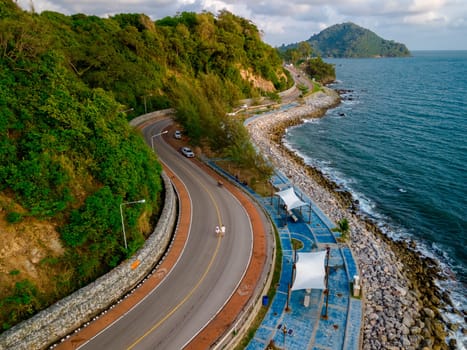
[(310, 271)]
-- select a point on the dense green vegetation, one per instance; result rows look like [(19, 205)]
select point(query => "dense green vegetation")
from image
[(296, 53), (67, 153), (66, 156), (351, 40), (302, 55), (319, 70)]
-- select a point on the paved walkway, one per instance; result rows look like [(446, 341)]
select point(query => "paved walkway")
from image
[(305, 327), (325, 323)]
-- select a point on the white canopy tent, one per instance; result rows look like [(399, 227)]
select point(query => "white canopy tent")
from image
[(291, 200), (310, 271)]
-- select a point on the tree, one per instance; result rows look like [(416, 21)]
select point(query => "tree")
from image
[(319, 70), (343, 227), (304, 50)]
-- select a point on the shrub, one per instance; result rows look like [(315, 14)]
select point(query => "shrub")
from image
[(14, 217)]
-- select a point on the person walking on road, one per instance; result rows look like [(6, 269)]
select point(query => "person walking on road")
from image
[(217, 231)]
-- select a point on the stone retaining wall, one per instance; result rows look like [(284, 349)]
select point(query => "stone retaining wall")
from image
[(68, 314)]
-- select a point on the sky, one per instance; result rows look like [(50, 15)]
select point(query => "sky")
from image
[(419, 24)]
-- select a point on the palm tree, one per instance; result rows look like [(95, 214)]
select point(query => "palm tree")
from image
[(343, 227)]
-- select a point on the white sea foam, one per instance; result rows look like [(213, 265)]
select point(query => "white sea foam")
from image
[(312, 121), (349, 103)]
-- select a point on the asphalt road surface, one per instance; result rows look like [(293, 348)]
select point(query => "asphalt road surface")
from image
[(206, 274)]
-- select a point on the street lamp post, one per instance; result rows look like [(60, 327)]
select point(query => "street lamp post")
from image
[(123, 221), (158, 134), (284, 332)]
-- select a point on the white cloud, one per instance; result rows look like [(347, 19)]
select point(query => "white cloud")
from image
[(287, 21), (425, 18)]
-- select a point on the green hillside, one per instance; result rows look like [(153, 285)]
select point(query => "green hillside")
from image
[(352, 41), (68, 157)]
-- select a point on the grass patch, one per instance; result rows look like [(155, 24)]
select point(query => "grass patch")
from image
[(14, 217), (297, 244), (317, 86)]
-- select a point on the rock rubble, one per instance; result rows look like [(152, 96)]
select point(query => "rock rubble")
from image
[(398, 288)]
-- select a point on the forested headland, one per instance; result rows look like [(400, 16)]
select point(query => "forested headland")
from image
[(68, 158), (352, 41)]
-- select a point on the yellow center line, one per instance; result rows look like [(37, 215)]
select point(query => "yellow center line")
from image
[(185, 299)]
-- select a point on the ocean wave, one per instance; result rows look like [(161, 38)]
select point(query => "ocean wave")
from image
[(312, 121)]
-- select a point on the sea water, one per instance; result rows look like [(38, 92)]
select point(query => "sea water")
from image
[(398, 142)]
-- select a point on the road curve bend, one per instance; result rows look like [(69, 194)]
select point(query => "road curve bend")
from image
[(206, 280)]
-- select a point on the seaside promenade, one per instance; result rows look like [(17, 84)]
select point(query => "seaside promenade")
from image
[(306, 324), (308, 321)]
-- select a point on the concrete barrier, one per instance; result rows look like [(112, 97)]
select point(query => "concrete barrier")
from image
[(152, 116)]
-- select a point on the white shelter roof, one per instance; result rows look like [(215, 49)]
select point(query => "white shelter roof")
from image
[(290, 198), (310, 271)]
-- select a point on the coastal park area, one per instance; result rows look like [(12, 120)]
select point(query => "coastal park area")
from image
[(328, 318)]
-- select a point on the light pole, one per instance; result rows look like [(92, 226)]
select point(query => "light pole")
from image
[(123, 221), (158, 134), (284, 332)]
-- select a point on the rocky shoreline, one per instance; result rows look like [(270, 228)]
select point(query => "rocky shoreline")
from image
[(402, 301)]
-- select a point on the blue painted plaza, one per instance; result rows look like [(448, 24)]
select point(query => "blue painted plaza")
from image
[(310, 319)]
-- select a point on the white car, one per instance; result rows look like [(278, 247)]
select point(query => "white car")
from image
[(178, 134), (187, 152)]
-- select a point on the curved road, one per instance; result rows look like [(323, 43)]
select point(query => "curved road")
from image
[(206, 274)]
